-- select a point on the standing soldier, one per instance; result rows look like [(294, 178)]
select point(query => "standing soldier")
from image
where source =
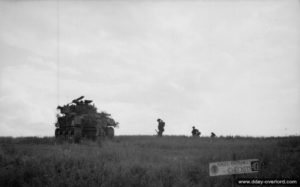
[(161, 129), (195, 132)]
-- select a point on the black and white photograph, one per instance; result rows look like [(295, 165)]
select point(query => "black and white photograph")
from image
[(149, 93)]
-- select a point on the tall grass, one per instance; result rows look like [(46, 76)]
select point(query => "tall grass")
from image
[(140, 160)]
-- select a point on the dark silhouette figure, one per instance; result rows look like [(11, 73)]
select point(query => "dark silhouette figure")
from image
[(212, 135), (195, 132), (80, 119), (161, 127)]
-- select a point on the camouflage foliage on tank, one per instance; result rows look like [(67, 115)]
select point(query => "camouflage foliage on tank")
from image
[(79, 119)]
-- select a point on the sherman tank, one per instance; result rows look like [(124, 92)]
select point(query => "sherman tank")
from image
[(79, 120)]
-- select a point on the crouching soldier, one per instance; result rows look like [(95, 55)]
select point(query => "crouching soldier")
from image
[(195, 132), (212, 135)]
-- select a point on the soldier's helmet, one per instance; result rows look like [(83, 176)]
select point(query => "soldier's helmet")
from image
[(193, 127), (158, 119)]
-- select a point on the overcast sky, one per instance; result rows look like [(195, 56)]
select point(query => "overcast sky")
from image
[(231, 67)]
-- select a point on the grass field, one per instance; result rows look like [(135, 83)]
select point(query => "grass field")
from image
[(141, 160)]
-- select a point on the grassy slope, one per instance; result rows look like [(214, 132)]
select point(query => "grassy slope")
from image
[(140, 161)]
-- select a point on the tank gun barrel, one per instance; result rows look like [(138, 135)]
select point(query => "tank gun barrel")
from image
[(78, 99)]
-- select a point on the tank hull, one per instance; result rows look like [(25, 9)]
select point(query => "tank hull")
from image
[(76, 134)]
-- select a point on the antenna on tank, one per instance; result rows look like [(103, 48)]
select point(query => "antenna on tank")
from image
[(58, 54)]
